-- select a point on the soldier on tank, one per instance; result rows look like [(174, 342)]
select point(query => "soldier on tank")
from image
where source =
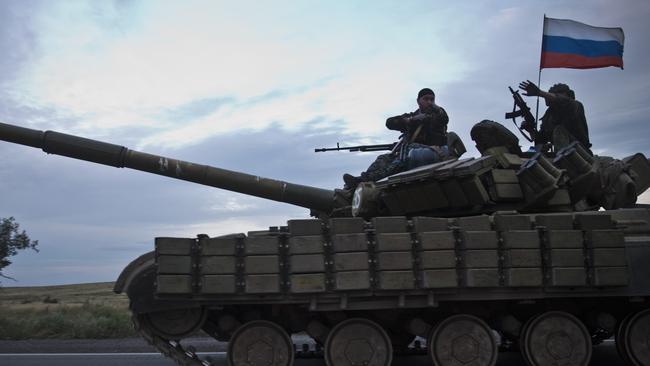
[(564, 120), (424, 141)]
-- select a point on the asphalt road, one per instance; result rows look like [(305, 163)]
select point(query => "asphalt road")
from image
[(603, 355)]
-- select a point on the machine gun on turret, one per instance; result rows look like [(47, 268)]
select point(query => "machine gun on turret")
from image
[(358, 148)]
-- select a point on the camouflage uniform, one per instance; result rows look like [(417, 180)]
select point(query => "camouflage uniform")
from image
[(563, 123), (432, 133)]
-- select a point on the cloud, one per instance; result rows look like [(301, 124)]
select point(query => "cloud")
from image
[(114, 68), (194, 109)]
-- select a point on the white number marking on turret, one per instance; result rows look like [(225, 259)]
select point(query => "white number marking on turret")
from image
[(164, 164)]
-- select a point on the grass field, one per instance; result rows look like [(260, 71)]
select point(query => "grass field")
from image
[(100, 293), (69, 311)]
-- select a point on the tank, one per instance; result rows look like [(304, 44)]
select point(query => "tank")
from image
[(468, 256)]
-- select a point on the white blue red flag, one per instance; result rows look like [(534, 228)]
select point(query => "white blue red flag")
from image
[(575, 45)]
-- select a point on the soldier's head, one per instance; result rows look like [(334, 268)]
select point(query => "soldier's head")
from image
[(426, 100), (562, 89)]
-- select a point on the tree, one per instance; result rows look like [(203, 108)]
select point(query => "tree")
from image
[(11, 241)]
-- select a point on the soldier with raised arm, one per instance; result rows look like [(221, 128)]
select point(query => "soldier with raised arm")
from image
[(564, 120), (424, 141)]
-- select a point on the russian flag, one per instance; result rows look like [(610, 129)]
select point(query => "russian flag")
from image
[(575, 45)]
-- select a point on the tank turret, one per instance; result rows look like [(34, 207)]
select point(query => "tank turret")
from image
[(322, 201)]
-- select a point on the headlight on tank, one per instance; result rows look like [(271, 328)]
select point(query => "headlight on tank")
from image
[(364, 201)]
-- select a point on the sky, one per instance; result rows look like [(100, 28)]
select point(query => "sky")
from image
[(255, 86)]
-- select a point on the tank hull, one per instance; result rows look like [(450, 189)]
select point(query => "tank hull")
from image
[(417, 276)]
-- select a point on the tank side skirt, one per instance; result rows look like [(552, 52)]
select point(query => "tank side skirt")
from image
[(637, 250), (637, 245)]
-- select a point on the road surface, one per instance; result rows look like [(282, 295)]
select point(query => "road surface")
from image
[(124, 352)]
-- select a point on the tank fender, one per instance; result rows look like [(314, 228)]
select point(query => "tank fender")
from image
[(131, 271)]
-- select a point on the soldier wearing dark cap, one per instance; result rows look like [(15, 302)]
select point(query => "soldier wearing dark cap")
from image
[(564, 120), (424, 136)]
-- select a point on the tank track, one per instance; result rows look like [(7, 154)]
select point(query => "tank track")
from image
[(168, 348)]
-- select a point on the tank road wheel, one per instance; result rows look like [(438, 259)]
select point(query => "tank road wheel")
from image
[(175, 324), (620, 339), (260, 342), (358, 342), (462, 340), (556, 338), (633, 339)]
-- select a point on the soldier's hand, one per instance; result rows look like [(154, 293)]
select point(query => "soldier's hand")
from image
[(418, 118), (526, 126), (530, 89)]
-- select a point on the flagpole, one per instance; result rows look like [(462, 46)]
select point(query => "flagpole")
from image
[(539, 81), (539, 74)]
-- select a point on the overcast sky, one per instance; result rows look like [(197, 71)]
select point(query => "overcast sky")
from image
[(254, 87)]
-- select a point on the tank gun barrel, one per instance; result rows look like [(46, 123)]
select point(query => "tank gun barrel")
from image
[(76, 147)]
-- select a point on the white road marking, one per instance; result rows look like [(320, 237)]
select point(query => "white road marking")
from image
[(101, 354), (128, 354)]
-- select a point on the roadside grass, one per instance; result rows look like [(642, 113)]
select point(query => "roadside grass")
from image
[(64, 312), (77, 294), (66, 322)]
